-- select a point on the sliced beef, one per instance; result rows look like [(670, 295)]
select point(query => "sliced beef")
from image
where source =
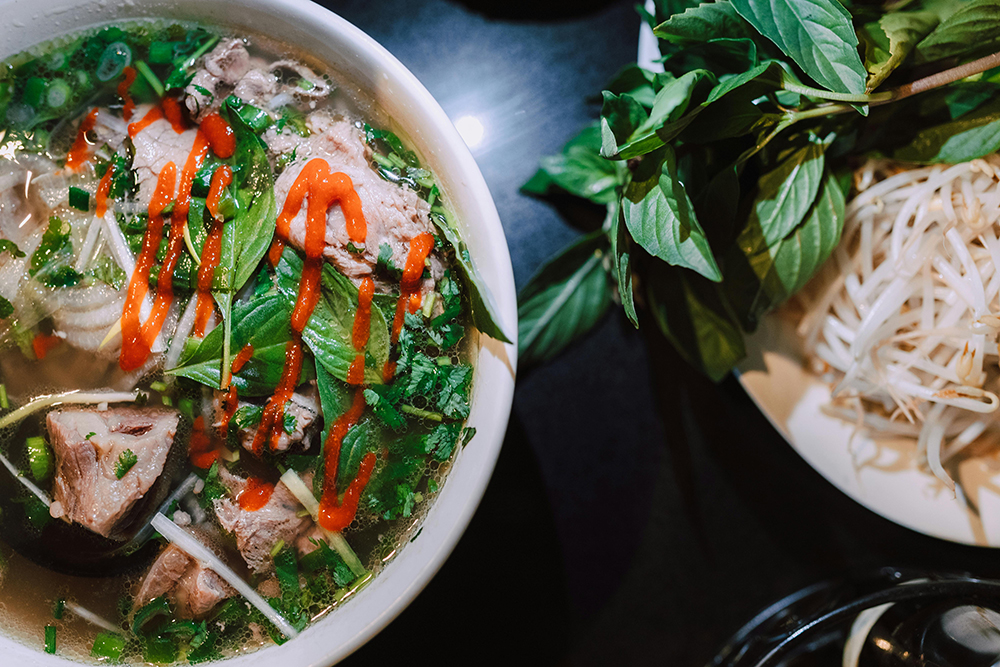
[(229, 69), (155, 146), (301, 416), (88, 444), (193, 589), (258, 532), (219, 72), (394, 214)]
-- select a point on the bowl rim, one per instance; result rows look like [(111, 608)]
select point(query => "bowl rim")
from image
[(459, 497)]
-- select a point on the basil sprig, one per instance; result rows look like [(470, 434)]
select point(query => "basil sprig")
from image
[(724, 177)]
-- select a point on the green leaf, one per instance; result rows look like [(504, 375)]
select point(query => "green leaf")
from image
[(485, 314), (247, 237), (764, 275), (711, 20), (816, 34), (661, 219), (262, 322), (6, 308), (564, 300), (973, 135), (665, 121), (888, 41), (693, 315), (580, 170), (973, 29), (621, 115), (126, 460), (786, 193), (51, 263), (639, 83), (329, 331), (621, 255), (11, 247)]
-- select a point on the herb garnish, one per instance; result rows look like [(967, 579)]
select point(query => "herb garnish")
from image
[(724, 177)]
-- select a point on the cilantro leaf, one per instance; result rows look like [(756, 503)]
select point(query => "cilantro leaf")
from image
[(126, 460)]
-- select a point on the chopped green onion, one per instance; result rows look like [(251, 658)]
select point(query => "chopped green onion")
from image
[(186, 406), (58, 94), (79, 198), (167, 401), (50, 639), (278, 546), (58, 608), (161, 53), (126, 460), (116, 57), (39, 458), (153, 81), (34, 89), (108, 645), (160, 650), (158, 607), (4, 403), (158, 386)]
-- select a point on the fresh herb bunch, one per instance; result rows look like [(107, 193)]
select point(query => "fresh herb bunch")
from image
[(725, 175)]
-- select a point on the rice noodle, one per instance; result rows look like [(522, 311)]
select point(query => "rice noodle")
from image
[(907, 313), (91, 617)]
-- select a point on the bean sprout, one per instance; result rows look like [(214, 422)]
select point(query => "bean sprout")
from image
[(907, 315)]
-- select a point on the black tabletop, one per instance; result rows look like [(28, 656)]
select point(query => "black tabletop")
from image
[(639, 513)]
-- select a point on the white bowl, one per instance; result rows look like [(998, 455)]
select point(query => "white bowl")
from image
[(344, 48)]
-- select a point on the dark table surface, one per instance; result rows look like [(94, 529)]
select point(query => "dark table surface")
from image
[(639, 514)]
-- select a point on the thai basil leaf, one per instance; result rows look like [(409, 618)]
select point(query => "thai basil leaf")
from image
[(890, 40), (711, 20), (694, 316), (816, 34), (621, 256), (246, 238), (580, 170), (639, 83), (329, 331), (661, 218), (262, 322), (564, 300), (786, 193), (973, 135), (973, 29), (621, 115), (666, 118), (763, 275), (485, 314)]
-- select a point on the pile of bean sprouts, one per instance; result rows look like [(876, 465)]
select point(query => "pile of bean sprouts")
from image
[(907, 317)]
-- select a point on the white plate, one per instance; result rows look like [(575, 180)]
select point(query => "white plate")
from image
[(882, 475)]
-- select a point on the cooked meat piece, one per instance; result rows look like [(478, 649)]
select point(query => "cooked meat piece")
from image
[(193, 589), (221, 69), (301, 414), (88, 444), (394, 214), (257, 87), (155, 146), (304, 83), (258, 532)]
